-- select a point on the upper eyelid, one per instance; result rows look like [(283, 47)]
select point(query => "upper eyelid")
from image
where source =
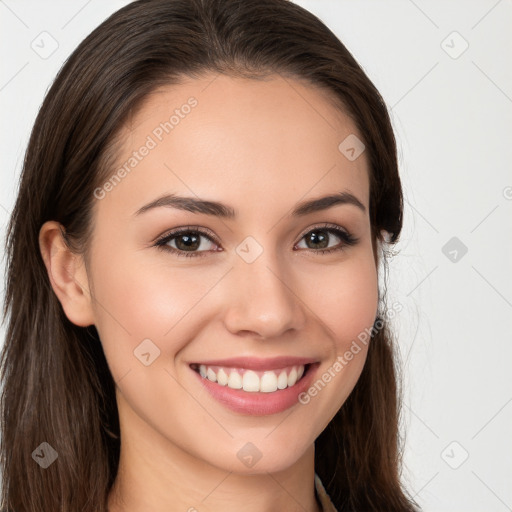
[(187, 229), (325, 225)]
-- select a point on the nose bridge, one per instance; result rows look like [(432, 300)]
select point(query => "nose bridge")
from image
[(261, 296)]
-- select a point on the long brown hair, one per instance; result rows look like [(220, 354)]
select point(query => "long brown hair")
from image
[(57, 387)]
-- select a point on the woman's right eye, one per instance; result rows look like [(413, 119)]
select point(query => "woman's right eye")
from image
[(186, 242)]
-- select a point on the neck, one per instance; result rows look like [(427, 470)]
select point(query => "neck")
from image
[(155, 474)]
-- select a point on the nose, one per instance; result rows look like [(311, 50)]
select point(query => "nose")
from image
[(263, 300)]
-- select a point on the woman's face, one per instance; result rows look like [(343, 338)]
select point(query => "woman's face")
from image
[(245, 294)]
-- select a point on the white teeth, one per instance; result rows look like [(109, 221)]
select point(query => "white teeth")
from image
[(235, 380), (292, 378), (250, 380), (211, 375), (222, 377), (268, 382), (282, 380)]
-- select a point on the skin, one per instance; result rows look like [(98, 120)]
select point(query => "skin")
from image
[(260, 147)]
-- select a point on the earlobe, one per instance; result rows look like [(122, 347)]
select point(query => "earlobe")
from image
[(67, 274)]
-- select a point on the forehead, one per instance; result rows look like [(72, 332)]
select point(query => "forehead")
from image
[(219, 136)]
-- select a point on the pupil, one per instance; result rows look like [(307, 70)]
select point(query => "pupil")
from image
[(320, 239), (187, 242)]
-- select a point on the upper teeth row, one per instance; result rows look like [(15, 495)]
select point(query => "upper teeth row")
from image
[(250, 381)]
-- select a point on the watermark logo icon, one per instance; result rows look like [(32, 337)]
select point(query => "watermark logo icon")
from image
[(454, 249), (249, 455), (44, 455), (45, 45), (455, 455), (454, 45), (249, 249), (146, 352), (351, 147)]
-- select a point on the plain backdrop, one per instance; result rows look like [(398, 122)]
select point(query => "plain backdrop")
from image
[(444, 71)]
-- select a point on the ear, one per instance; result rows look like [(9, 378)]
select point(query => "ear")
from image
[(67, 274)]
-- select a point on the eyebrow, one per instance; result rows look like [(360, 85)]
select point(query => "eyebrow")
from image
[(196, 205)]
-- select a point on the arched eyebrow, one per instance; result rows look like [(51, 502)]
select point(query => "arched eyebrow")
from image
[(322, 203), (197, 205)]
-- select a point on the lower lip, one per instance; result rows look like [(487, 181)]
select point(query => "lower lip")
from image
[(258, 403)]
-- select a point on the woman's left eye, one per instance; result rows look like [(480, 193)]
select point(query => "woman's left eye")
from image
[(321, 237), (196, 242)]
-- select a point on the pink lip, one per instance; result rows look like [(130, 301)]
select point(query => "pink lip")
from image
[(258, 403), (254, 363)]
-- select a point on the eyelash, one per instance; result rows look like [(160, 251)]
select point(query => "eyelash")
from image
[(161, 243)]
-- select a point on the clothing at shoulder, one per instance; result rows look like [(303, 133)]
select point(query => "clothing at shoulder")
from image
[(323, 497)]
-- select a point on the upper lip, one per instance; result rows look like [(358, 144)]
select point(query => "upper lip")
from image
[(255, 363)]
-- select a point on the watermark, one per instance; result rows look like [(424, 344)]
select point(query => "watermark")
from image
[(45, 455), (352, 147), (249, 455), (146, 352), (152, 140), (455, 455), (454, 249), (454, 44), (45, 45), (363, 338), (249, 249)]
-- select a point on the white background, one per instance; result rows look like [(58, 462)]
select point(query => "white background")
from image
[(453, 120)]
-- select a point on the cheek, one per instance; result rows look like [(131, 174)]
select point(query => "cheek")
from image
[(137, 301), (345, 298), (346, 302)]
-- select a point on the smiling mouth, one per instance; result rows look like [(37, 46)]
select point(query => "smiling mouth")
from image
[(252, 381)]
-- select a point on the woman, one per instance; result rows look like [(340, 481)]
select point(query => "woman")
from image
[(257, 373)]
